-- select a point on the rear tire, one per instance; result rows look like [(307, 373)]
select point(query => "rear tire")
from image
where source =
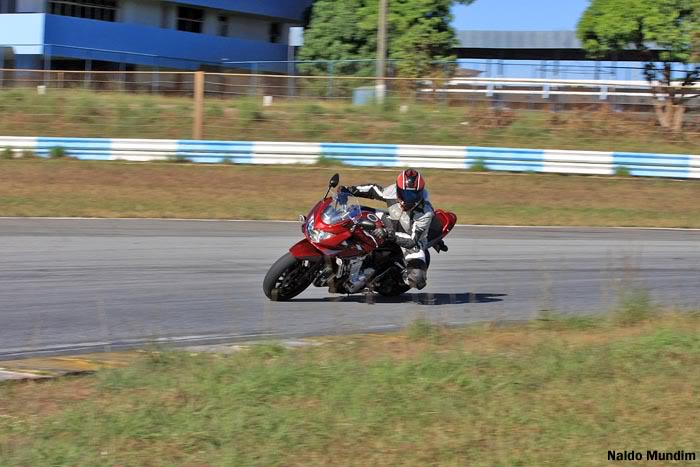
[(394, 291), (287, 278), (396, 286), (393, 286)]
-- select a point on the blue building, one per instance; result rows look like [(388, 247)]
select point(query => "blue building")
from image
[(144, 34)]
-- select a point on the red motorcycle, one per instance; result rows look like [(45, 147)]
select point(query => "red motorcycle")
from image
[(339, 251)]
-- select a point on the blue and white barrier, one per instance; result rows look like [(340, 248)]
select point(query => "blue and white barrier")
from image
[(364, 155)]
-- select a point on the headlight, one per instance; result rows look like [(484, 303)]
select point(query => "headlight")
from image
[(316, 235), (319, 235)]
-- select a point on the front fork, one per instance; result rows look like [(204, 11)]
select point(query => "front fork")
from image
[(327, 273)]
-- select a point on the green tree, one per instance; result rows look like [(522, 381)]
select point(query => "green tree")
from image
[(419, 34), (670, 25), (334, 33)]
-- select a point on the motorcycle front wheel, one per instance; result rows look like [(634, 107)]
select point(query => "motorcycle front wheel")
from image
[(287, 278)]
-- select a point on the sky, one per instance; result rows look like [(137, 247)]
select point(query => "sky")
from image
[(520, 15)]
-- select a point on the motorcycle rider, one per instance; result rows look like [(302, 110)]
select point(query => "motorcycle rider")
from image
[(408, 223)]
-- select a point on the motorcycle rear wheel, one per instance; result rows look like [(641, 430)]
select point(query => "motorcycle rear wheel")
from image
[(287, 278), (393, 289), (393, 286), (396, 287)]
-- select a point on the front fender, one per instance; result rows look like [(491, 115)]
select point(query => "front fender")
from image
[(304, 250)]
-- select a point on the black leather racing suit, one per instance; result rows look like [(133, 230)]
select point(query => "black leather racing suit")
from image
[(411, 228)]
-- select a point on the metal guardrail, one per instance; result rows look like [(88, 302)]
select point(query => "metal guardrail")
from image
[(546, 88), (364, 155)]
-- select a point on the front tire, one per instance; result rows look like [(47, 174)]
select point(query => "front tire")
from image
[(287, 278)]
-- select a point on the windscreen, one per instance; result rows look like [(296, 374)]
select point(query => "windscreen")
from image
[(344, 207)]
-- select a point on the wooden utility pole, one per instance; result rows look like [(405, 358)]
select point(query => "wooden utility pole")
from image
[(198, 120), (381, 50)]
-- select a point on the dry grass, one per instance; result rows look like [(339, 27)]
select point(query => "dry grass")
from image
[(105, 189), (33, 399)]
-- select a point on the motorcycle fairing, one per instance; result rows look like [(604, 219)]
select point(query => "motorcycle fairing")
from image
[(442, 224), (304, 250), (448, 221)]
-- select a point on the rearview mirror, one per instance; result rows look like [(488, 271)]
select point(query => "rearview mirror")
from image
[(335, 179)]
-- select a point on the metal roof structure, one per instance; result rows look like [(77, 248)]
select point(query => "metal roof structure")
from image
[(531, 45), (518, 40)]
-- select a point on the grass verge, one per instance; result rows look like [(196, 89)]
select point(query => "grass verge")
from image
[(64, 187), (84, 113), (559, 393)]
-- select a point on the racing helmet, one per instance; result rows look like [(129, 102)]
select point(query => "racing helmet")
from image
[(410, 187)]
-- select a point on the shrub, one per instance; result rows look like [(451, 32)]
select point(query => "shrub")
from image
[(179, 159), (7, 154), (325, 161), (57, 152), (479, 165), (622, 171)]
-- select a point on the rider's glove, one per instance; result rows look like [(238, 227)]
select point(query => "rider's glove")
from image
[(345, 189), (384, 234)]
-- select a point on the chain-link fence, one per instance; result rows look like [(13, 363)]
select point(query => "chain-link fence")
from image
[(563, 114)]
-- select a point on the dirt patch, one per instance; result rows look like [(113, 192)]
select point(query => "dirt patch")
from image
[(43, 398)]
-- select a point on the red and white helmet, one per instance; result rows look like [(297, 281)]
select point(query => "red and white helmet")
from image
[(410, 187)]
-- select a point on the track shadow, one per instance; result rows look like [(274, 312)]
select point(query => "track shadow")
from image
[(429, 299)]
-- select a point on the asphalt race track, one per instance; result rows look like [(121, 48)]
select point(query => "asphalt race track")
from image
[(85, 285)]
